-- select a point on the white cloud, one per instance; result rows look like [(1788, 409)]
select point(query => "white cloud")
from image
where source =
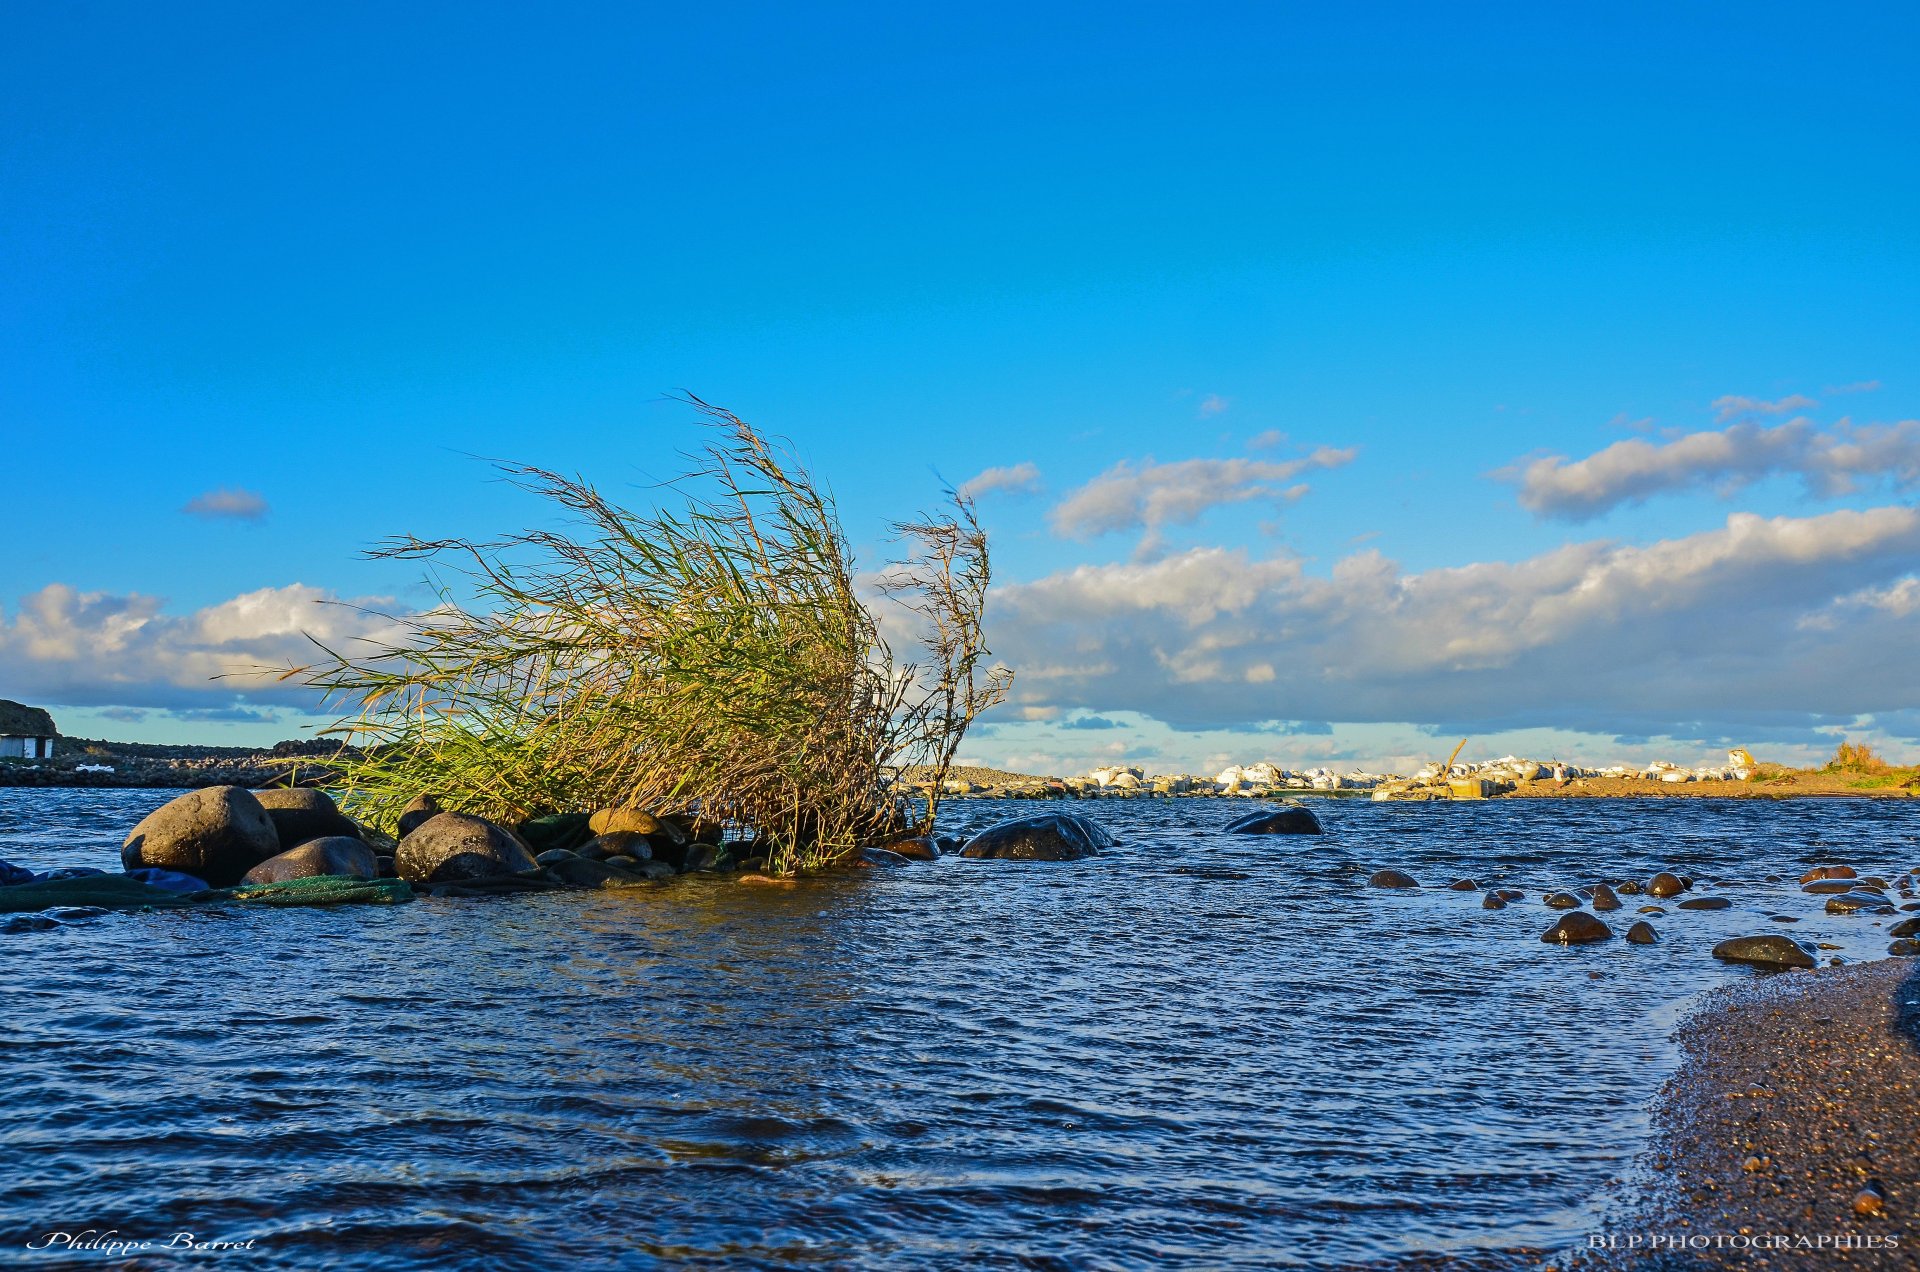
[(1733, 406), (1267, 440), (64, 646), (1150, 496), (1830, 461), (1213, 404), (234, 503), (1016, 479), (1595, 637)]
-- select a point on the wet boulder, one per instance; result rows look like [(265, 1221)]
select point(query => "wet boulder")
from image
[(1705, 903), (1642, 933), (918, 848), (1577, 927), (875, 859), (629, 821), (302, 813), (453, 847), (1828, 887), (1770, 950), (416, 813), (1906, 947), (578, 872), (1493, 901), (1860, 903), (1041, 837), (217, 833), (1391, 879), (1905, 927), (1604, 898), (332, 855), (1819, 873), (1463, 885), (1665, 884), (618, 843), (1288, 819), (1562, 901)]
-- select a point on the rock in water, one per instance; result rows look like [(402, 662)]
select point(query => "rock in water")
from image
[(217, 833), (579, 872), (1665, 885), (1041, 837), (1764, 951), (415, 814), (1829, 872), (1392, 879), (1577, 927), (1705, 903), (1858, 902), (1493, 901), (1906, 947), (301, 813), (451, 847), (919, 848), (1562, 901), (1642, 933), (1290, 819), (1463, 885), (1905, 927), (1604, 899), (332, 855)]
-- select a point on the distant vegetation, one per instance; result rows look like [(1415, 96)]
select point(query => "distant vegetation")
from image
[(713, 655), (1856, 757)]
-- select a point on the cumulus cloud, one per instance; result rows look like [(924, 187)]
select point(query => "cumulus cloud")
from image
[(96, 649), (1733, 406), (1149, 496), (1830, 461), (234, 504), (1595, 637), (1016, 479)]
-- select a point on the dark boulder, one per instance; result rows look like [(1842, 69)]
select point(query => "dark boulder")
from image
[(1463, 885), (1289, 819), (1604, 898), (1041, 837), (1905, 948), (1705, 903), (1629, 888), (631, 821), (707, 857), (1577, 927), (1829, 887), (1392, 879), (217, 833), (577, 872), (1829, 872), (1860, 903), (332, 855), (1493, 901), (919, 848), (1666, 885), (301, 813), (415, 814), (1642, 933), (1905, 927), (1764, 951), (453, 847), (620, 843), (875, 859), (1562, 901)]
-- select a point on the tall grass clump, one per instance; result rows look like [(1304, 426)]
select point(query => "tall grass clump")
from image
[(1856, 757), (713, 655)]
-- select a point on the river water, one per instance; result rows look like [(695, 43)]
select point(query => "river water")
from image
[(1111, 1063)]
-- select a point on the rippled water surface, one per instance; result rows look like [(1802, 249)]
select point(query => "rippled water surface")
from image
[(1110, 1063)]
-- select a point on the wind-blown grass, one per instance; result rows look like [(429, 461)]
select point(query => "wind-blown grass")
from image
[(713, 658)]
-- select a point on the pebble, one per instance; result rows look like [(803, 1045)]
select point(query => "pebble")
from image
[(1870, 1202)]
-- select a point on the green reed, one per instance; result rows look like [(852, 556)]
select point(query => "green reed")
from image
[(711, 655)]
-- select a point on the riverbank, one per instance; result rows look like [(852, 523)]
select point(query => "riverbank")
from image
[(1790, 1137)]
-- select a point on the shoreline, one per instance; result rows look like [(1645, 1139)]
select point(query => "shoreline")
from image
[(1789, 1137)]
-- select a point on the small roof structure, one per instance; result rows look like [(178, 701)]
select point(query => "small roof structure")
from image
[(20, 721)]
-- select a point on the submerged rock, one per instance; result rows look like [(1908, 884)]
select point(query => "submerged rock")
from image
[(1642, 933), (578, 872), (332, 855), (1391, 879), (918, 848), (1829, 887), (876, 858), (1041, 837), (1463, 885), (1577, 927), (1290, 819), (1770, 950), (1629, 888), (1706, 903), (1562, 901), (452, 847), (301, 813), (217, 833)]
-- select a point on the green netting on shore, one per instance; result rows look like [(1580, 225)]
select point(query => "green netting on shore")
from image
[(117, 892)]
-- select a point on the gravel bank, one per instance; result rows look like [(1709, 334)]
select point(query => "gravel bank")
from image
[(1790, 1137)]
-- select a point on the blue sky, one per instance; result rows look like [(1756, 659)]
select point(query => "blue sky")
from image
[(294, 269)]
